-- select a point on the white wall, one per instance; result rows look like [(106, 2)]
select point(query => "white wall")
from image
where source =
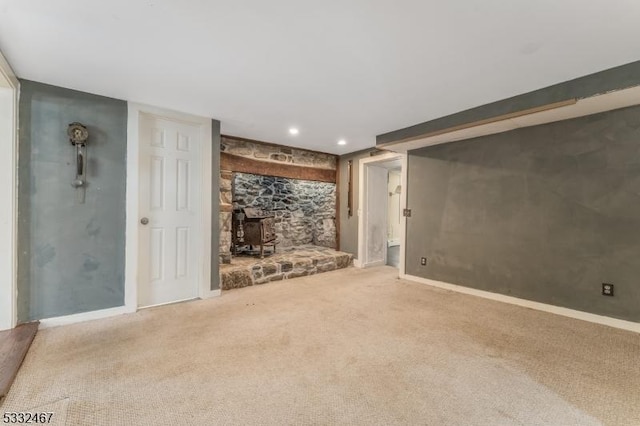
[(393, 226), (376, 215)]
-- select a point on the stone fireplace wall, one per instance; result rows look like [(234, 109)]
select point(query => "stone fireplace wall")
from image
[(268, 159), (305, 211), (226, 209)]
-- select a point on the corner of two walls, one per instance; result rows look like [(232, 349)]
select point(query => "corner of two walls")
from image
[(71, 256)]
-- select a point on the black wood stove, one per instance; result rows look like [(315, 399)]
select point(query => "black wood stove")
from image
[(253, 227)]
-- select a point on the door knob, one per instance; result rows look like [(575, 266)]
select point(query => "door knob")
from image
[(144, 220)]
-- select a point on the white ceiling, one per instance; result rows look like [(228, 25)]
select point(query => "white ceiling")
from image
[(334, 69)]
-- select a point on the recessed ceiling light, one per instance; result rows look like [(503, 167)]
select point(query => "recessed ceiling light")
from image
[(342, 142), (293, 131)]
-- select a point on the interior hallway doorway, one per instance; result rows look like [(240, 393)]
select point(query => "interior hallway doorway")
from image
[(381, 223)]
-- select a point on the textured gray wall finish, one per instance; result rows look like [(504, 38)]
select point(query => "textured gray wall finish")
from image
[(71, 256), (305, 211), (215, 205), (545, 213)]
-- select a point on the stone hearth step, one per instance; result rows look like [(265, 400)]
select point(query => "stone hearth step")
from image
[(290, 262)]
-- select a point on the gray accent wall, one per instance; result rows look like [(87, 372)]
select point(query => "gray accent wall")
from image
[(544, 213), (215, 204), (71, 255)]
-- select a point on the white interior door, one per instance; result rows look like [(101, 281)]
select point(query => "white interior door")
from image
[(169, 206), (376, 215)]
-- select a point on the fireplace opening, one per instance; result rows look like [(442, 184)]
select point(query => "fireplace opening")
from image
[(253, 228), (270, 212)]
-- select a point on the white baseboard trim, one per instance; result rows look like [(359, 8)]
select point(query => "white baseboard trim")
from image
[(103, 313), (558, 310), (357, 263), (373, 264), (211, 293), (84, 316)]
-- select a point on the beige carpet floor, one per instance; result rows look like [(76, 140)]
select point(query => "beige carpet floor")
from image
[(345, 347)]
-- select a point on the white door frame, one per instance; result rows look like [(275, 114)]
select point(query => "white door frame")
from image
[(8, 212), (362, 203), (132, 228)]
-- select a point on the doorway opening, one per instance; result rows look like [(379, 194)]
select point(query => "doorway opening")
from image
[(394, 215), (169, 198), (381, 223)]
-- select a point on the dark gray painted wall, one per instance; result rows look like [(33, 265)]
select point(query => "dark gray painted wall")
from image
[(545, 213), (215, 204), (621, 77), (349, 225), (71, 256)]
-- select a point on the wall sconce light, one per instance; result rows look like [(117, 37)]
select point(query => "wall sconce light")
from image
[(78, 135)]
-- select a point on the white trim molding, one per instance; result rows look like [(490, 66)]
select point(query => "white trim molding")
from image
[(362, 197), (558, 310), (109, 312), (372, 264), (83, 316), (9, 87), (210, 294), (133, 147)]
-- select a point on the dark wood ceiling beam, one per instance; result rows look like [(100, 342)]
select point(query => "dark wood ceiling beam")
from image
[(237, 163)]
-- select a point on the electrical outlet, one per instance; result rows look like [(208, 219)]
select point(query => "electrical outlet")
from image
[(423, 261), (607, 289)]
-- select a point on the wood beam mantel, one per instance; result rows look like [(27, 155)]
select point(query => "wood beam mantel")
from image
[(236, 163)]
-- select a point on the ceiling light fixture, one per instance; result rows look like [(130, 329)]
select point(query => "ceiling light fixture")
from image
[(293, 131), (342, 142)]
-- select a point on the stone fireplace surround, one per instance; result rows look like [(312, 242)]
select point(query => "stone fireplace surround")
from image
[(304, 210), (297, 185)]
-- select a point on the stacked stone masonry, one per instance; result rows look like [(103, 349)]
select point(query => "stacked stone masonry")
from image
[(321, 227), (293, 262), (305, 211), (226, 178), (277, 154)]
